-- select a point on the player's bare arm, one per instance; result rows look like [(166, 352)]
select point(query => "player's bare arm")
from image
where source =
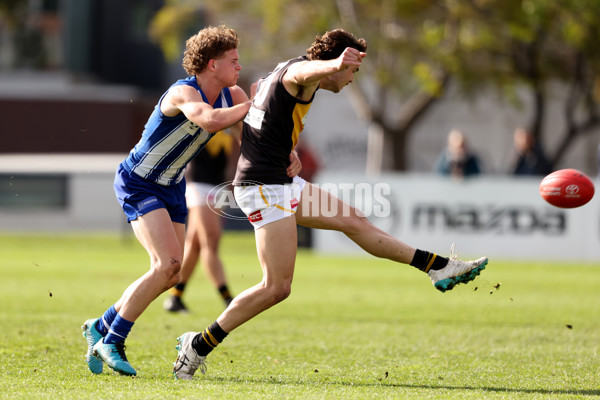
[(302, 79), (187, 100)]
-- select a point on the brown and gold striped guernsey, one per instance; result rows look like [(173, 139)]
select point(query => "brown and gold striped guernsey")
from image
[(271, 130)]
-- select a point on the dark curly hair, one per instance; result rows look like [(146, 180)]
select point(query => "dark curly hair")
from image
[(333, 43), (210, 43)]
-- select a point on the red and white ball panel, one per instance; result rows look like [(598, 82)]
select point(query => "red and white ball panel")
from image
[(567, 188)]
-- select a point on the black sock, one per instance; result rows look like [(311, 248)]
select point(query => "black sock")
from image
[(178, 289), (206, 341), (225, 294), (425, 261), (180, 286)]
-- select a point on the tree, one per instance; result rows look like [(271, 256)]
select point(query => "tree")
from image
[(173, 24), (534, 44)]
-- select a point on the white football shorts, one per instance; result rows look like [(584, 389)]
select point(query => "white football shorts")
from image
[(264, 204)]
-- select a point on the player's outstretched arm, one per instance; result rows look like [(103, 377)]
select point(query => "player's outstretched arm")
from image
[(311, 72), (187, 100)]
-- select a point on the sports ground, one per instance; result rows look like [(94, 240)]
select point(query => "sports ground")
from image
[(353, 328)]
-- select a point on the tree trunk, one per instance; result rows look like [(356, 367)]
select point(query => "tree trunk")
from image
[(375, 149), (399, 139)]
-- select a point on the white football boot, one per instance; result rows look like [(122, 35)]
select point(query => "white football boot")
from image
[(456, 272), (188, 361)]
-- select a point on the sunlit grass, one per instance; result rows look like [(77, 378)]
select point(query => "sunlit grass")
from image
[(353, 328)]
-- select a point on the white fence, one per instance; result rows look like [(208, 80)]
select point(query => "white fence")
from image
[(89, 199)]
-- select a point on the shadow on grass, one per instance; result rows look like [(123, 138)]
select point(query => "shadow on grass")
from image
[(272, 380)]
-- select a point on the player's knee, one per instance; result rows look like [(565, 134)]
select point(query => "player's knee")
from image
[(169, 271), (280, 292), (174, 280), (174, 271)]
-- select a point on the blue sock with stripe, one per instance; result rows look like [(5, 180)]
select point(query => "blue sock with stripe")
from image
[(106, 320), (118, 331)]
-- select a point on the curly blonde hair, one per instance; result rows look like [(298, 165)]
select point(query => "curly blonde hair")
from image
[(333, 43), (208, 44)]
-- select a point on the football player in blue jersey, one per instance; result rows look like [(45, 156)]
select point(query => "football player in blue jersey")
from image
[(150, 184)]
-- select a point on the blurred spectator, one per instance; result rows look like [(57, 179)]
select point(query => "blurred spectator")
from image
[(527, 157), (457, 160)]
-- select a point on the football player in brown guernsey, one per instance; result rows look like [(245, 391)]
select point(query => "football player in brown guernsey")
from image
[(275, 203)]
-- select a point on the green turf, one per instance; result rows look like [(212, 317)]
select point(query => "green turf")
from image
[(353, 328)]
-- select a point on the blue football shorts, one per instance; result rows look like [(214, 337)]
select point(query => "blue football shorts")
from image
[(138, 196)]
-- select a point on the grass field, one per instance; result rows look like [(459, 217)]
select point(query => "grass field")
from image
[(353, 328)]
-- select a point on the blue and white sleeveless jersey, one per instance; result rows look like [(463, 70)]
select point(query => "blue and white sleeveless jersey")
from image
[(169, 143)]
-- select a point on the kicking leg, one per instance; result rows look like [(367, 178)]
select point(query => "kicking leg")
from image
[(320, 209)]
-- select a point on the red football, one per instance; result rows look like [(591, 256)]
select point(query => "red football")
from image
[(567, 188)]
